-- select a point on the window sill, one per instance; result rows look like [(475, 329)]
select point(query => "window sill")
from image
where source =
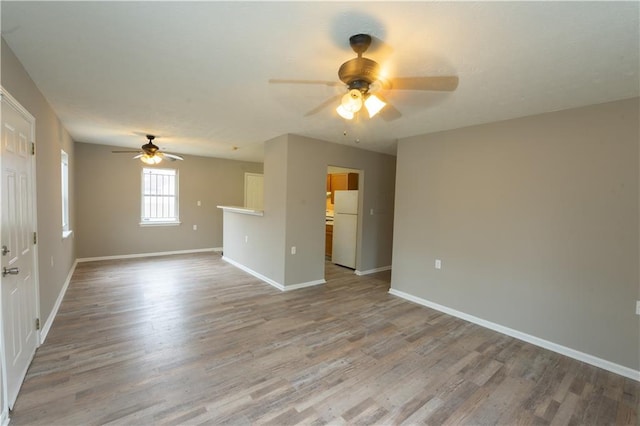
[(66, 234), (152, 224)]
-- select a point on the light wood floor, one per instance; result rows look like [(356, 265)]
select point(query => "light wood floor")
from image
[(192, 340)]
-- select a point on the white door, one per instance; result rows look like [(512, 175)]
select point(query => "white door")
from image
[(18, 282), (253, 191)]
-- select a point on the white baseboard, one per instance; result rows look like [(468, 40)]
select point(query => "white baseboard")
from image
[(303, 285), (269, 280), (571, 353), (254, 273), (373, 271), (4, 417), (161, 253), (52, 316)]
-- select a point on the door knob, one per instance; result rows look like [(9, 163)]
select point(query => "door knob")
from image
[(5, 250), (10, 271)]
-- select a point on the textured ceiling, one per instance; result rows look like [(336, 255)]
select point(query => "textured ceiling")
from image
[(197, 73)]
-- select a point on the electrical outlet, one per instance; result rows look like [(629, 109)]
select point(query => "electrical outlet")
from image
[(637, 307), (195, 227), (246, 238), (199, 203), (293, 249), (438, 264)]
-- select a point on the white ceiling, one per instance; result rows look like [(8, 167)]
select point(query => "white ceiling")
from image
[(197, 73)]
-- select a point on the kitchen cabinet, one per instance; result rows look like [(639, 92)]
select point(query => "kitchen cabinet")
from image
[(342, 182), (328, 245)]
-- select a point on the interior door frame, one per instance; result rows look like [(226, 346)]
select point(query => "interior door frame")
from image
[(5, 96), (332, 168)]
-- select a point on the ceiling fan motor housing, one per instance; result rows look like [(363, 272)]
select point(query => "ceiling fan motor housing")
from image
[(150, 148), (359, 73)]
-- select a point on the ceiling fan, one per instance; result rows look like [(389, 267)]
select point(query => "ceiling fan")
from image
[(364, 82), (151, 154)]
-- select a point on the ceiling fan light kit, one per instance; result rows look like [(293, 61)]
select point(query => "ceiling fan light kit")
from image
[(342, 112), (352, 103), (374, 104), (150, 159)]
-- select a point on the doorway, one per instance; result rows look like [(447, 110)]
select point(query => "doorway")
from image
[(342, 216), (19, 296)]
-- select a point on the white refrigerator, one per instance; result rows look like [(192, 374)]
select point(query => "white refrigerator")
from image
[(345, 228)]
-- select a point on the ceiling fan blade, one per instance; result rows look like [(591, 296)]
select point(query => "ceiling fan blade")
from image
[(389, 112), (325, 82), (442, 83), (170, 157), (333, 99), (135, 157)]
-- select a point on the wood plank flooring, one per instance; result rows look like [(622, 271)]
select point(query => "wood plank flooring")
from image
[(190, 339)]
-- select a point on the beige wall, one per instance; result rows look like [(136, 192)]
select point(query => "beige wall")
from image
[(108, 202), (536, 223), (295, 172), (55, 255)]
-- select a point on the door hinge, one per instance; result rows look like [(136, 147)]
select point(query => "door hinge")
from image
[(37, 323), (35, 238), (33, 148)]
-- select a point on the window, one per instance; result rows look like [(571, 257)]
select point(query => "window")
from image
[(64, 173), (159, 197)]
